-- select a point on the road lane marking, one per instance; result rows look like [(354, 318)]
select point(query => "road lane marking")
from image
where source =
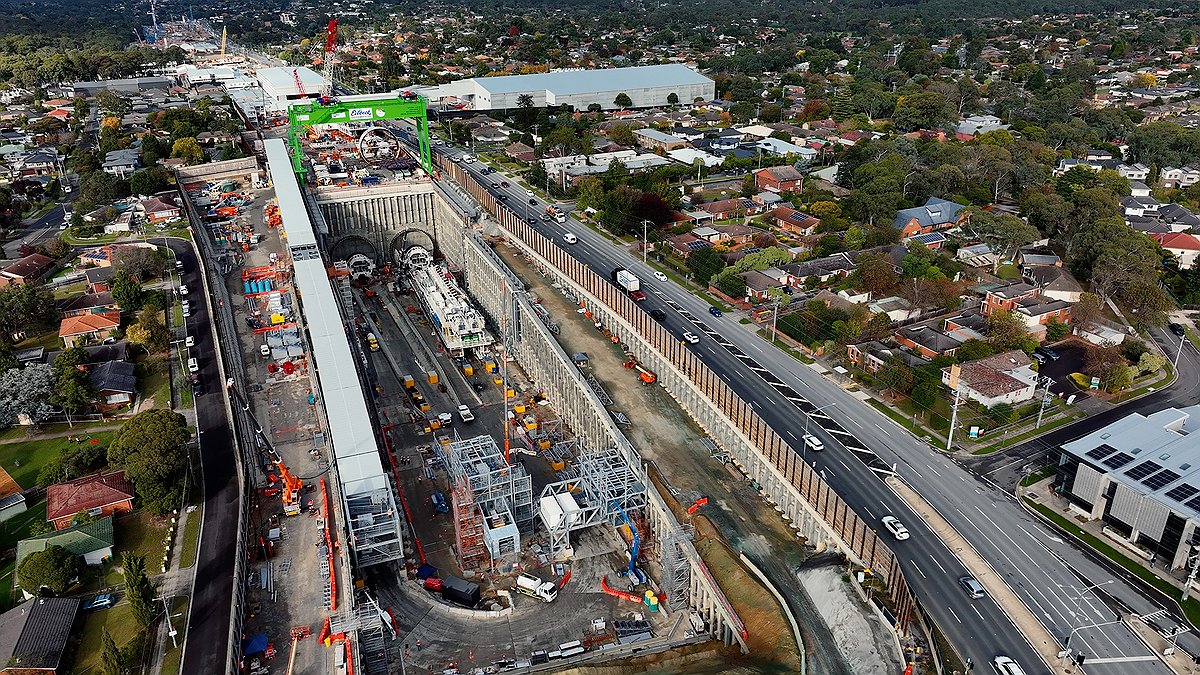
[(885, 433), (953, 614), (918, 569), (939, 565)]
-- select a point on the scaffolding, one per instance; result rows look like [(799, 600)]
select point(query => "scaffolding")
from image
[(485, 489), (592, 492), (677, 570)]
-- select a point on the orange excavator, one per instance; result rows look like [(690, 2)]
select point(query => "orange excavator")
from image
[(293, 487)]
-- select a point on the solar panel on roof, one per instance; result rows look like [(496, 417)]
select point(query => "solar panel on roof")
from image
[(1194, 503), (697, 245), (1102, 450), (1161, 479), (1118, 460), (1142, 470), (1182, 492)]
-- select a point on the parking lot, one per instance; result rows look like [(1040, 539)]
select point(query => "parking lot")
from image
[(1071, 357)]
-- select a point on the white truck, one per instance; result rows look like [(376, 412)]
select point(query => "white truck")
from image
[(626, 280), (534, 587)]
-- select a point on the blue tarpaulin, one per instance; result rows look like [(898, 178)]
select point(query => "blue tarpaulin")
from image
[(255, 644), (426, 571)]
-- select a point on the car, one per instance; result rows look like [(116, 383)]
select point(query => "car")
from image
[(465, 413), (1006, 666), (1040, 358), (485, 171), (658, 315), (446, 419), (972, 586), (895, 527), (183, 289), (715, 311), (1177, 328), (478, 386), (65, 224), (187, 308), (496, 184), (503, 183), (660, 276), (1048, 353), (533, 201), (570, 238), (193, 365), (467, 159), (691, 338), (102, 601), (197, 386), (813, 443), (637, 296), (546, 217), (529, 193), (501, 198), (189, 341), (531, 220), (264, 350), (456, 160)]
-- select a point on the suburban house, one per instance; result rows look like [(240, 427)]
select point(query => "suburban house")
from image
[(936, 214), (1185, 247), (30, 269), (122, 163), (103, 256), (757, 284), (159, 209), (931, 240), (35, 634), (87, 303), (970, 325), (976, 125), (795, 222), (684, 244), (115, 383), (519, 152), (725, 209), (99, 279), (779, 179), (928, 341), (92, 541), (86, 328), (874, 355), (1037, 256), (1006, 297), (823, 269), (1056, 283), (1176, 177), (1039, 312), (896, 308), (1102, 333), (999, 378), (97, 495)]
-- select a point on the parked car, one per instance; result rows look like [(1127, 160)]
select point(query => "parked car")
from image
[(1039, 357), (187, 308), (193, 365), (183, 290), (1048, 353), (895, 527), (102, 601), (465, 413), (189, 341), (264, 350), (1177, 328)]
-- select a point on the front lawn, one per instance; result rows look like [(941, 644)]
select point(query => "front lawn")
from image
[(140, 533), (121, 626), (18, 527)]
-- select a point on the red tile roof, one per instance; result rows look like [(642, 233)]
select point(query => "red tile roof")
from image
[(89, 323), (1177, 240), (84, 494)]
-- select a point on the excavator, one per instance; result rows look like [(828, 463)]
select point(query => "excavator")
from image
[(293, 487)]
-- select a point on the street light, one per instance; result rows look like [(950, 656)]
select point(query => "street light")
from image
[(807, 417), (1066, 650), (645, 241)]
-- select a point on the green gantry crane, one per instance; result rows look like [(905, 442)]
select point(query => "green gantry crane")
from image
[(332, 110)]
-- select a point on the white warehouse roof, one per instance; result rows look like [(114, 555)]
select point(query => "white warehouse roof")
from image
[(282, 81), (569, 82)]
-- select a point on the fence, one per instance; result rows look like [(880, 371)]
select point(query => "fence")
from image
[(770, 459)]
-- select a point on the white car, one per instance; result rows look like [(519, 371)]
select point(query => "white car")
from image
[(189, 341), (187, 308), (183, 289), (660, 276), (691, 338), (570, 238), (465, 413), (264, 350), (1006, 666), (813, 443), (193, 365), (446, 419), (895, 527)]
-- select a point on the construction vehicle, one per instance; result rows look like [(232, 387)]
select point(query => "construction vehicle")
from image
[(646, 375), (372, 342), (534, 587), (557, 215), (460, 591), (630, 283), (292, 486)]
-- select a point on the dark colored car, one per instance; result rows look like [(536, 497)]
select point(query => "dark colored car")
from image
[(658, 315), (531, 221), (533, 201), (503, 183), (1177, 329), (1048, 353), (715, 311)]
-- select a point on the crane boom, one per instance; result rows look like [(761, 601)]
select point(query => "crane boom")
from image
[(292, 486), (327, 59)]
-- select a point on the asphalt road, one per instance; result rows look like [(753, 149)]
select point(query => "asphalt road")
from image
[(209, 610), (1050, 576), (45, 227)]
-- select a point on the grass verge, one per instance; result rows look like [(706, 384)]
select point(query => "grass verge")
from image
[(191, 538), (121, 626), (899, 418), (1038, 476), (173, 656), (1032, 433), (1191, 606), (142, 533), (792, 351)]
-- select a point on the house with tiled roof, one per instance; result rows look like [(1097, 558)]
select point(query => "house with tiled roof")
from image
[(87, 303), (872, 356), (97, 495), (87, 328), (92, 541), (115, 383), (684, 244), (935, 214), (30, 269), (928, 341), (34, 635), (731, 208), (1056, 283), (159, 209), (1001, 378), (1185, 247), (779, 179), (796, 222), (1006, 297)]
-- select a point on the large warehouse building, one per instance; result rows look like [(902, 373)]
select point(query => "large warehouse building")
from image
[(646, 87)]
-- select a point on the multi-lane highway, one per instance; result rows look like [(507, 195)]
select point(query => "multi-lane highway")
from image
[(1050, 576)]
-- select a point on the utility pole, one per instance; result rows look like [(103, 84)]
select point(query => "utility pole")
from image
[(1045, 400), (774, 320), (953, 419), (645, 240)]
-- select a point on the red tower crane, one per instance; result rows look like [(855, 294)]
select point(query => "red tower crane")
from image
[(327, 59)]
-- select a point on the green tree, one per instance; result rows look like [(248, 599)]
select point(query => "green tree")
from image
[(731, 284), (621, 134), (148, 182), (924, 394), (672, 99), (126, 292), (1007, 331), (189, 149), (138, 590), (73, 388), (150, 447), (1002, 232), (110, 656), (622, 100), (27, 308), (589, 192), (896, 375), (873, 273), (922, 110), (705, 263), (149, 332), (1057, 330), (53, 568)]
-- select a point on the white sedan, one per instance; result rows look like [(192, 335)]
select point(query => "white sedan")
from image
[(660, 276), (691, 338), (895, 527)]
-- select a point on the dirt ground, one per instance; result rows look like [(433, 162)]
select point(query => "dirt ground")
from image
[(665, 436)]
